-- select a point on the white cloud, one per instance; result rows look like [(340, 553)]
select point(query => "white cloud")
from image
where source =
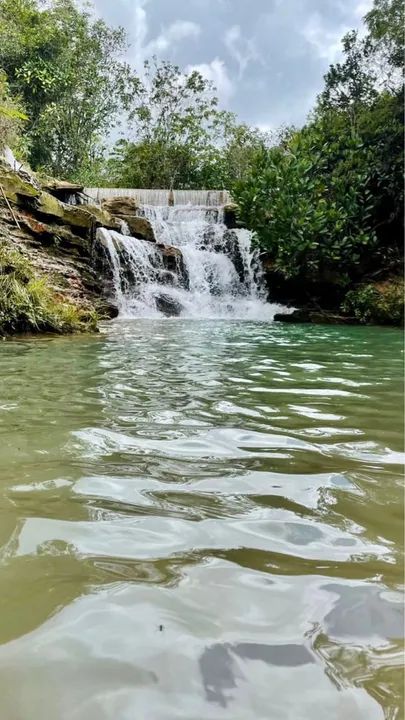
[(217, 72), (242, 50), (265, 127), (362, 8), (327, 44), (141, 47), (177, 31), (140, 32)]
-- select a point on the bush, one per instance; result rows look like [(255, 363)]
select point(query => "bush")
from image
[(28, 304), (382, 304)]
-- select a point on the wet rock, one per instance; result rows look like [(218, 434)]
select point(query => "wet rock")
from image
[(170, 251), (121, 206), (174, 264), (76, 216), (139, 227), (297, 316), (317, 317), (108, 309), (230, 216), (231, 247), (168, 305)]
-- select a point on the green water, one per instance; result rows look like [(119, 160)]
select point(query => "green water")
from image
[(202, 520)]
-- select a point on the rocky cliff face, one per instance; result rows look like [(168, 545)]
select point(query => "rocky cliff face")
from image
[(55, 240), (53, 277), (46, 240)]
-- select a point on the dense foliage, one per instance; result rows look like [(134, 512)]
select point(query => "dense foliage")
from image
[(179, 136), (12, 116), (380, 303), (65, 66)]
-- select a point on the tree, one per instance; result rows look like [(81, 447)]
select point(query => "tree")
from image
[(327, 202), (309, 205), (176, 126), (349, 84), (385, 22), (237, 154), (67, 68), (12, 117)]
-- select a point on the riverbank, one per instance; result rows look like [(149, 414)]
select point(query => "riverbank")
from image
[(373, 298)]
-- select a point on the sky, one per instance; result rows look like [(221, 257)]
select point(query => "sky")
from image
[(267, 58)]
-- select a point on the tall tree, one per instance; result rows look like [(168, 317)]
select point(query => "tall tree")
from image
[(385, 22), (12, 117), (327, 203), (67, 68), (176, 127)]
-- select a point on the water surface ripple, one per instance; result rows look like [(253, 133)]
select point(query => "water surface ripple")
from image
[(202, 520)]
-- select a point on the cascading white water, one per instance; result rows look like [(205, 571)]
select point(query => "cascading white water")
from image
[(217, 274), (146, 196)]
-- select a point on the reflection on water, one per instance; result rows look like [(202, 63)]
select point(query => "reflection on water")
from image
[(202, 520)]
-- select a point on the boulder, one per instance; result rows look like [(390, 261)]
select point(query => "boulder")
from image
[(230, 216), (139, 227), (318, 317), (108, 309), (85, 217), (121, 206), (297, 316), (168, 305), (17, 185), (174, 264), (170, 251)]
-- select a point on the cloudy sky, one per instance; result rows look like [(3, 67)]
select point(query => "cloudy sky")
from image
[(266, 57)]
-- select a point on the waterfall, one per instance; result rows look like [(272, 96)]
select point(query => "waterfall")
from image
[(162, 197), (197, 268)]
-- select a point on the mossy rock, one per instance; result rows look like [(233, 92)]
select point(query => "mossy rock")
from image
[(75, 215), (16, 185)]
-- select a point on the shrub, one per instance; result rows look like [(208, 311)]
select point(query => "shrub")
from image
[(382, 304), (28, 304)]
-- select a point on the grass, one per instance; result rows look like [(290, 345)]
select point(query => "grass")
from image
[(28, 303)]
